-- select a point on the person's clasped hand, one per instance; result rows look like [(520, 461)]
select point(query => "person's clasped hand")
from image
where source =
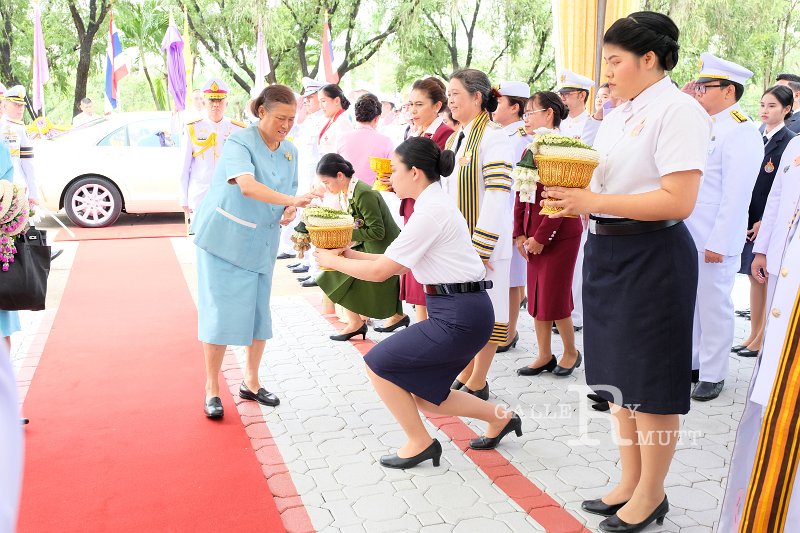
[(533, 247), (325, 257), (289, 214), (573, 202)]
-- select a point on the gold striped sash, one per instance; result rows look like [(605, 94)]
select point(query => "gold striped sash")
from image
[(775, 466), (468, 174)]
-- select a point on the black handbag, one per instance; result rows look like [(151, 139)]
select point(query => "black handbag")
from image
[(24, 285)]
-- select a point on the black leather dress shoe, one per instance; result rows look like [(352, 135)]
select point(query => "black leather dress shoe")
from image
[(483, 394), (402, 323), (286, 256), (512, 344), (303, 278), (347, 336), (263, 396), (748, 353), (300, 270), (705, 390), (309, 283), (490, 443), (213, 407), (614, 524), (561, 371), (528, 371), (293, 265), (434, 451), (598, 506), (457, 385), (738, 348)]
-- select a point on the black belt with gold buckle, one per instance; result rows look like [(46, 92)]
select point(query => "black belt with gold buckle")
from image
[(457, 288), (626, 226)]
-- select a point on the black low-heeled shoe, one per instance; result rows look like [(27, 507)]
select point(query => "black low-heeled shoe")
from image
[(347, 336), (294, 265), (562, 372), (434, 452), (490, 443), (596, 398), (300, 269), (524, 303), (483, 394), (457, 385), (263, 396), (601, 406), (528, 371), (507, 347), (738, 348), (748, 353), (614, 524), (402, 323), (213, 407), (598, 506)]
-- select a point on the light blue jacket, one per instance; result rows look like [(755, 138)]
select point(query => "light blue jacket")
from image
[(6, 166), (240, 230)]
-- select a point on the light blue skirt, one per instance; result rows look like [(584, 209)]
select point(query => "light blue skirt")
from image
[(232, 303), (9, 323)]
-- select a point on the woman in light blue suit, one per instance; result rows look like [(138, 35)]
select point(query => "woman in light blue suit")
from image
[(9, 320), (237, 230)]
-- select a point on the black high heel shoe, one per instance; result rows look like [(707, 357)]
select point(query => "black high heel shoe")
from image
[(483, 394), (528, 371), (347, 336), (402, 323), (512, 344), (490, 443), (561, 371), (614, 524), (598, 506), (434, 451), (524, 303), (457, 385)]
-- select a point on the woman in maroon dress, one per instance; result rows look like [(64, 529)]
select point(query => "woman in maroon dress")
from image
[(550, 245), (428, 98)]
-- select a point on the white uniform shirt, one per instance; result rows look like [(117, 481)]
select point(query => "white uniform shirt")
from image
[(199, 160), (659, 132), (329, 140), (435, 243), (719, 220), (783, 203), (492, 233), (573, 126), (519, 139), (779, 313), (16, 137)]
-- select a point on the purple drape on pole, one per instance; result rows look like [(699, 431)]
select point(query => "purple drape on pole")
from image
[(176, 70), (41, 74)]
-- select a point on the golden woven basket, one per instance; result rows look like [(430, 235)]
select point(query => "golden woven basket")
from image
[(559, 172), (381, 166), (330, 237)]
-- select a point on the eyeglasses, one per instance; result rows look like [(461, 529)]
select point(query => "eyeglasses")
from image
[(701, 89), (530, 113)]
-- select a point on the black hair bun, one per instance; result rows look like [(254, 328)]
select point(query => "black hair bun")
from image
[(492, 102), (447, 162), (564, 112)]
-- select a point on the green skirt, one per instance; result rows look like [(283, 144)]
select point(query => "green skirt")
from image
[(367, 298)]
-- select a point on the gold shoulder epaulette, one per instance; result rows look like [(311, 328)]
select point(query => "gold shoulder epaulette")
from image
[(239, 123), (522, 132), (738, 116)]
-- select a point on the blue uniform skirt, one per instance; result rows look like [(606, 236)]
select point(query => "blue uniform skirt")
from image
[(639, 295), (232, 303), (9, 323), (425, 358)]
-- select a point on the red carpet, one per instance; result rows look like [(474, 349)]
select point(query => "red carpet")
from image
[(132, 227), (118, 440)]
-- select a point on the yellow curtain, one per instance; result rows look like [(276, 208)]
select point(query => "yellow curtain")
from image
[(575, 35)]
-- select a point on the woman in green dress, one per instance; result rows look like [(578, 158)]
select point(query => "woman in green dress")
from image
[(375, 231)]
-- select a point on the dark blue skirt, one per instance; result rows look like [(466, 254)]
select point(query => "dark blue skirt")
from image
[(425, 358), (639, 295)]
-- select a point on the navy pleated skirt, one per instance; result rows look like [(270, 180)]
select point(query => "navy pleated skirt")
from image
[(639, 295), (425, 358)]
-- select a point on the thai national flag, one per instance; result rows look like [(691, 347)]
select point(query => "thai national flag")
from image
[(330, 75), (116, 69)]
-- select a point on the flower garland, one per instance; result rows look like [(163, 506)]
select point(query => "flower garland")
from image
[(15, 213)]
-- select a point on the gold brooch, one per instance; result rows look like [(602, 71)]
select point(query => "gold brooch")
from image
[(287, 155)]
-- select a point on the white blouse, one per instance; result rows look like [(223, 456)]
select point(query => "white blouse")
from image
[(661, 131), (329, 141), (435, 243)]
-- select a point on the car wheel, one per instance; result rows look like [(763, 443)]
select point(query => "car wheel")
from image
[(93, 202)]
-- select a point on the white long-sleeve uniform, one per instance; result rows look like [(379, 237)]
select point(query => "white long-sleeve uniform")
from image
[(16, 136)]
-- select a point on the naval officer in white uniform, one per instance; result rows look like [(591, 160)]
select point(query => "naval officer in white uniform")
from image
[(718, 223)]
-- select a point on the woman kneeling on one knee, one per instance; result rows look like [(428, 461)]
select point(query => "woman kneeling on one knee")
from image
[(413, 369)]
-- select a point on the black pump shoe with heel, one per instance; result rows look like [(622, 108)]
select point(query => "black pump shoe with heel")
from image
[(434, 452), (561, 371), (402, 323), (528, 371), (490, 443), (507, 347), (347, 336), (598, 506), (614, 524)]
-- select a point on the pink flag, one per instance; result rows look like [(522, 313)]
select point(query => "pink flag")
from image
[(262, 61), (331, 76), (41, 72)]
